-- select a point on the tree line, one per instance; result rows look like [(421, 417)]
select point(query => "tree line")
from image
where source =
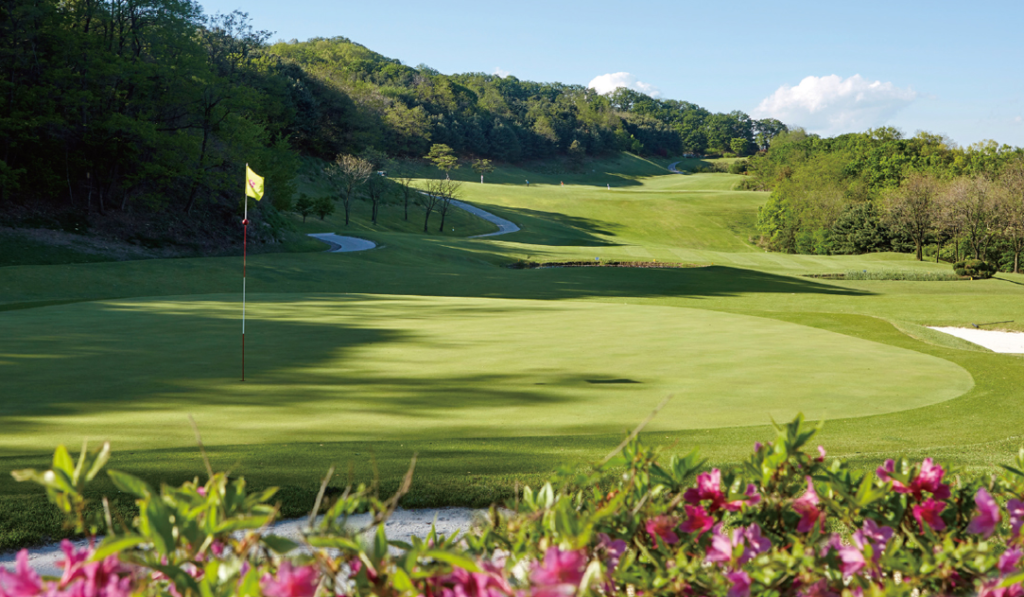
[(882, 191), (152, 105)]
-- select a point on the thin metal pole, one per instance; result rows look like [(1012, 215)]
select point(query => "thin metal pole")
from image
[(245, 240)]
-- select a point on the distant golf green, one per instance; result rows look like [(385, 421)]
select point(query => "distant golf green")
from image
[(334, 368)]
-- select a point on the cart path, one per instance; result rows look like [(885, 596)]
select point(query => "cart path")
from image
[(348, 244)]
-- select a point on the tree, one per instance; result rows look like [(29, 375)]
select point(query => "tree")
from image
[(576, 154), (376, 186), (403, 176), (738, 146), (973, 206), (442, 156), (449, 191), (347, 174), (1010, 207), (481, 167), (431, 197), (914, 208), (323, 207), (304, 207)]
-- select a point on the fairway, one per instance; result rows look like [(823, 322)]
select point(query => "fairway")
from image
[(429, 344), (359, 368)]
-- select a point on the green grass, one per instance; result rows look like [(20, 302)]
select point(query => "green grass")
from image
[(429, 345)]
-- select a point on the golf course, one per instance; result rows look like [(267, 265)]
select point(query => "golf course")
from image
[(493, 376)]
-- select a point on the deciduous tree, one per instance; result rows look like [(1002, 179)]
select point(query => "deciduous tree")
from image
[(914, 208), (347, 174)]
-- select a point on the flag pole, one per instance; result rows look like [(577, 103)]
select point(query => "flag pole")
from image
[(245, 240)]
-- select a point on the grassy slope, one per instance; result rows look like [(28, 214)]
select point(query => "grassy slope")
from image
[(695, 218)]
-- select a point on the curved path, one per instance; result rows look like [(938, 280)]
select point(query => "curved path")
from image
[(343, 244), (348, 244), (504, 226), (672, 168)]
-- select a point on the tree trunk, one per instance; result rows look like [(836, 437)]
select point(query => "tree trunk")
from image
[(920, 255), (1016, 261), (426, 220), (346, 211), (444, 212)]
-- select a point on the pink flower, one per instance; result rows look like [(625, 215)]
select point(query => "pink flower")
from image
[(757, 447), (740, 584), (462, 583), (1015, 508), (852, 559), (290, 582), (1008, 561), (928, 513), (992, 589), (807, 507), (613, 549), (930, 480), (561, 571), (753, 496), (709, 487), (24, 582), (988, 514), (723, 545), (818, 589), (662, 527), (821, 454), (697, 520)]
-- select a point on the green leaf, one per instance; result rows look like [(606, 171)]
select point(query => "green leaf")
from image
[(116, 544), (62, 461), (402, 581), (101, 460), (181, 579), (454, 559), (280, 545), (334, 542), (157, 520), (130, 484)]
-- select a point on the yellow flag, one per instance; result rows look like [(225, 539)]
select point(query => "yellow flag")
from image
[(253, 184)]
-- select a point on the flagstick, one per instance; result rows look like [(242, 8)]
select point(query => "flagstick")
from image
[(245, 240)]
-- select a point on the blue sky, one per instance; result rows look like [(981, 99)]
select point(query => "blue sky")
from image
[(951, 68)]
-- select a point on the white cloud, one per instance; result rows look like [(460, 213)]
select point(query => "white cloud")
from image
[(1018, 120), (501, 72), (612, 81), (832, 105)]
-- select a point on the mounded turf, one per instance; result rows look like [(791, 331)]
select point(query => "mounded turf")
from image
[(429, 345), (358, 368)]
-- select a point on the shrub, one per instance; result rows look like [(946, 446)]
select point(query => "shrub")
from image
[(323, 207), (975, 268), (785, 521), (738, 167)]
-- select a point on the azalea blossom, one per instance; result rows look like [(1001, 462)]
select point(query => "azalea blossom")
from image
[(490, 582), (1015, 508), (560, 573), (807, 507), (614, 550), (988, 514), (290, 582), (697, 520), (709, 487), (723, 545), (740, 584), (928, 512), (24, 582), (1008, 561), (663, 527)]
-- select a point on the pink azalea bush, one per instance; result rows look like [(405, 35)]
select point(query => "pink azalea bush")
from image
[(783, 522)]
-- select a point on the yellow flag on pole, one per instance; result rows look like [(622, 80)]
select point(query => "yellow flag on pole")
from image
[(253, 184)]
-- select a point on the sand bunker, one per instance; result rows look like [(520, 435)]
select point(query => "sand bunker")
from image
[(1006, 342)]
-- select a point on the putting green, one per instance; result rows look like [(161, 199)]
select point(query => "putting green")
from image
[(347, 367)]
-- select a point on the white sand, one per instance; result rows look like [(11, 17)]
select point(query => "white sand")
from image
[(1007, 342), (402, 525)]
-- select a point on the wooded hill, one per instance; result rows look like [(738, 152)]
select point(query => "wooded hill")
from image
[(149, 106), (882, 191)]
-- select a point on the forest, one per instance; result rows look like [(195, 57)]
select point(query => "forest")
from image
[(883, 191), (152, 106)]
